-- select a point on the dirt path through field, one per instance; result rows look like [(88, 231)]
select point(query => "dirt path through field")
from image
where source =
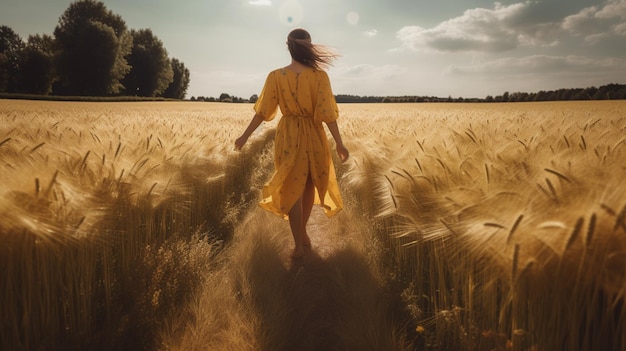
[(262, 300), (319, 291)]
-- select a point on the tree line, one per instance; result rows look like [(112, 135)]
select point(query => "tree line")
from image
[(91, 53), (225, 97), (604, 92)]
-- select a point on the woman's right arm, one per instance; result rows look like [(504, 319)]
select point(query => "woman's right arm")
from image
[(266, 105), (254, 124)]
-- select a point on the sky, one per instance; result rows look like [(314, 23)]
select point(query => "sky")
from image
[(460, 48)]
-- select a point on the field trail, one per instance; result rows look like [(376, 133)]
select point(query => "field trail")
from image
[(260, 299)]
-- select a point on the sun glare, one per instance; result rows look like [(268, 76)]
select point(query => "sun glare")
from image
[(291, 12), (353, 18)]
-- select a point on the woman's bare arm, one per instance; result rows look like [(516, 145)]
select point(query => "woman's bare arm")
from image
[(254, 124), (341, 149)]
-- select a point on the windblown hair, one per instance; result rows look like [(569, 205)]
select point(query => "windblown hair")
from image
[(312, 55)]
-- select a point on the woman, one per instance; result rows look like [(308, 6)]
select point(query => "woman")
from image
[(304, 172)]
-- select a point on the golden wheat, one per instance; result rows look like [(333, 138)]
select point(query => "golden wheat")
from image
[(467, 227), (499, 220), (86, 189)]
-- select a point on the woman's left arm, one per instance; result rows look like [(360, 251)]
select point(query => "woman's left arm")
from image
[(342, 151), (254, 124)]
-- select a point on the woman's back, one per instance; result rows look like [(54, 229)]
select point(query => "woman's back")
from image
[(305, 94)]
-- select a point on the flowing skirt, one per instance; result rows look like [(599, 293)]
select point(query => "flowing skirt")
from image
[(301, 150)]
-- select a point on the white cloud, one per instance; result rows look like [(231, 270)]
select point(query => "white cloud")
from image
[(476, 30), (620, 29), (411, 37), (503, 28), (260, 2), (594, 23), (615, 8), (371, 33), (582, 22), (543, 65)]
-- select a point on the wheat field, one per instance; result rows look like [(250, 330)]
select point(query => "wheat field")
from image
[(466, 227)]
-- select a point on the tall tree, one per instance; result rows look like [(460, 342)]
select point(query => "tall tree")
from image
[(178, 87), (224, 97), (37, 69), (11, 45), (92, 44), (151, 71), (254, 98)]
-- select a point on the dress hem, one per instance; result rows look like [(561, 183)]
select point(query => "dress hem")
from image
[(268, 207)]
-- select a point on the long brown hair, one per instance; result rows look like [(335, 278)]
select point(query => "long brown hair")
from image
[(309, 54)]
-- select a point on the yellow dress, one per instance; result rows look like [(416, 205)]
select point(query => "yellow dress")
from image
[(301, 146)]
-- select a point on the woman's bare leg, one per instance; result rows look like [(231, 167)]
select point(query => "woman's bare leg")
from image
[(298, 218), (308, 196), (296, 224)]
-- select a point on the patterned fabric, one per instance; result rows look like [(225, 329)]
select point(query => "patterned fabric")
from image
[(301, 146)]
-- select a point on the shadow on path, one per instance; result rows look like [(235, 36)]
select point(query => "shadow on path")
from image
[(332, 299), (257, 298)]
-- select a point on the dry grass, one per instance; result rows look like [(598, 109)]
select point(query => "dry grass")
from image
[(467, 227), (509, 219), (88, 193)]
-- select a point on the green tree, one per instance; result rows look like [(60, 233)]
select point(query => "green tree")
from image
[(92, 44), (11, 46), (151, 71), (37, 69), (505, 96), (224, 97), (178, 87)]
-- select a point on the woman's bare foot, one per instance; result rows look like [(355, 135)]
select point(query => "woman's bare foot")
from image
[(297, 253)]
